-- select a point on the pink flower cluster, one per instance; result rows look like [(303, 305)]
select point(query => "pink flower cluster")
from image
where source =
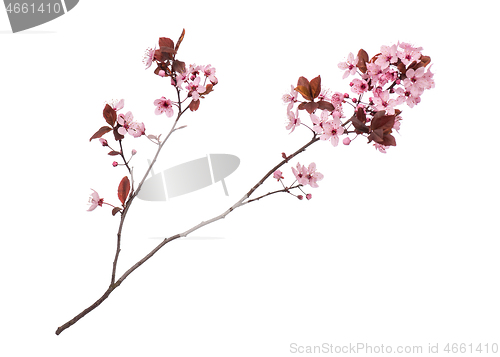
[(128, 125), (304, 176), (126, 121), (190, 79), (397, 75), (307, 175), (387, 68)]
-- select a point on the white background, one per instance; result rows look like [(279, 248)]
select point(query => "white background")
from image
[(395, 249)]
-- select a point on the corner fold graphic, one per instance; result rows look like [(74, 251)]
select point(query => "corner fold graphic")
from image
[(24, 15)]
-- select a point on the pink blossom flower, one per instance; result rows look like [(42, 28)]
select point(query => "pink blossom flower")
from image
[(124, 120), (95, 200), (149, 56), (383, 102), (294, 120), (397, 124), (337, 99), (388, 56), (209, 72), (116, 104), (278, 175), (428, 76), (359, 86), (307, 176), (136, 129), (373, 71), (181, 78), (129, 126), (332, 129), (291, 98), (409, 53), (119, 105), (300, 174), (411, 101), (402, 94), (195, 89), (324, 94), (164, 105), (318, 122), (349, 65), (388, 75), (313, 176), (415, 81), (380, 147), (194, 70)]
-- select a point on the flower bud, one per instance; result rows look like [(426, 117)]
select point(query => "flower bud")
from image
[(300, 197), (309, 196), (104, 142), (161, 73), (134, 151), (115, 164), (346, 141)]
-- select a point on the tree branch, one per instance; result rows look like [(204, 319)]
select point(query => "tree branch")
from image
[(239, 203)]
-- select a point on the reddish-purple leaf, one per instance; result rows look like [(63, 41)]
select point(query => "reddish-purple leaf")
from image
[(315, 86), (402, 68), (425, 60), (324, 105), (123, 189), (389, 140), (359, 125), (178, 66), (180, 39), (382, 121), (159, 56), (166, 48), (360, 114), (303, 81), (114, 153), (208, 88), (109, 115), (304, 88), (377, 136), (310, 107), (166, 42), (362, 60), (115, 210), (194, 105), (103, 130), (359, 121)]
